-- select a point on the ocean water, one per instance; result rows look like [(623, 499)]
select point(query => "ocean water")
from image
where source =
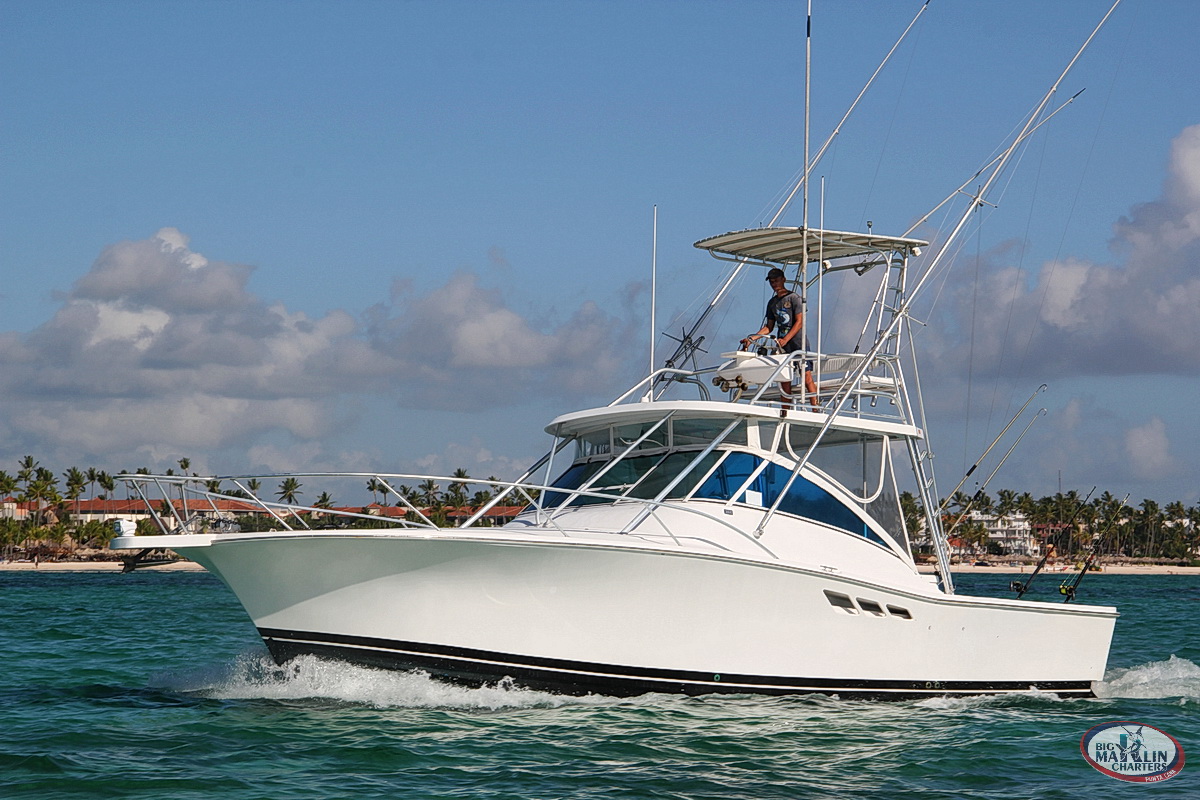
[(155, 685)]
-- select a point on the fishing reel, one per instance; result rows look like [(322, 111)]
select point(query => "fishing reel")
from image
[(729, 384)]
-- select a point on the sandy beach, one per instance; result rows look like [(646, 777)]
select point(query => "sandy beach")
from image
[(1110, 569)]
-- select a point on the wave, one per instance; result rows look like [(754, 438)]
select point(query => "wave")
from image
[(253, 676), (1175, 677)]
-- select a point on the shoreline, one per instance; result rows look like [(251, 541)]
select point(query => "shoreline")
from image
[(94, 566), (1106, 569), (191, 566)]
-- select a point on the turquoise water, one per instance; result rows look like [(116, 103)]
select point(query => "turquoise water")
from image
[(155, 685)]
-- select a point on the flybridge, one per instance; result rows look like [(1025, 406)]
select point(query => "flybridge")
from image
[(804, 245)]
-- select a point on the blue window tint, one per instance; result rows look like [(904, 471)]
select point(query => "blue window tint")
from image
[(804, 498), (643, 477), (573, 478), (732, 473), (668, 470)]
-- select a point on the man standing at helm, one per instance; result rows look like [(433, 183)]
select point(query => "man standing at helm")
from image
[(785, 314)]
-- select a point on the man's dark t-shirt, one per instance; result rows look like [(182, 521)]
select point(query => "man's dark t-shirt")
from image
[(782, 312)]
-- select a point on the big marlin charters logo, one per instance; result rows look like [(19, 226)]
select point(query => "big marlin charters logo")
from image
[(1132, 751)]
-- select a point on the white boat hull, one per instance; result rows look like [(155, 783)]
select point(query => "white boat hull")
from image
[(576, 616)]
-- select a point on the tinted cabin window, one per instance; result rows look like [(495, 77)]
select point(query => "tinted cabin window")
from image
[(643, 477), (804, 498)]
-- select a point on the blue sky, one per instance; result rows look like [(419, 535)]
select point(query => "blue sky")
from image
[(411, 233)]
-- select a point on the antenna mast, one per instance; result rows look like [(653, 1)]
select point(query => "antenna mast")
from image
[(653, 285), (689, 341)]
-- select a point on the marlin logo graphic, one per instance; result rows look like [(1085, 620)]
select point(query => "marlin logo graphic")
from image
[(1132, 751), (1130, 742)]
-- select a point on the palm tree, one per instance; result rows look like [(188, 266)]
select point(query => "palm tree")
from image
[(42, 488), (28, 467), (1006, 503), (429, 493), (914, 515), (958, 502), (324, 501), (456, 495), (982, 502), (289, 488), (373, 487), (92, 475), (76, 483), (109, 485), (8, 484), (185, 464), (1148, 528)]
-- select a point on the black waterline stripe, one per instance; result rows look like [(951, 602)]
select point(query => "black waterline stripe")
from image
[(433, 655)]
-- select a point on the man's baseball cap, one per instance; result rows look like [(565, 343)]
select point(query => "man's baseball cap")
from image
[(776, 273)]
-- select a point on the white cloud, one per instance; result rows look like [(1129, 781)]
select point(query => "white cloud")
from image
[(1139, 315), (137, 328), (157, 350), (1149, 450)]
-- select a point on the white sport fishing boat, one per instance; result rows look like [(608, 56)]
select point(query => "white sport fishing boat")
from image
[(675, 540)]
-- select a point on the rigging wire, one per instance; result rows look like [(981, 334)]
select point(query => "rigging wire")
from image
[(971, 346), (1017, 283), (891, 124), (688, 343), (1070, 215)]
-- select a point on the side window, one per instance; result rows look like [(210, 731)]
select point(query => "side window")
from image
[(732, 473), (675, 463), (804, 498), (573, 478)]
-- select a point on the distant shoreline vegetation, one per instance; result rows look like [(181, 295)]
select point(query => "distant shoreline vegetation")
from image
[(43, 514)]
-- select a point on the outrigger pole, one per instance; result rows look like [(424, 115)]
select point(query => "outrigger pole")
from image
[(690, 341), (903, 312), (999, 436), (979, 492)]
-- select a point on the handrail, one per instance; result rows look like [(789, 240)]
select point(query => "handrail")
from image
[(663, 371), (652, 505)]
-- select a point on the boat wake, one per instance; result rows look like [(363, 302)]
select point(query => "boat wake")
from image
[(254, 676), (1175, 677)]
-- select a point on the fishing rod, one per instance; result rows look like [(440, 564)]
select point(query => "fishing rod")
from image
[(1021, 588), (689, 341), (999, 436), (962, 188), (1068, 588), (988, 479), (842, 397)]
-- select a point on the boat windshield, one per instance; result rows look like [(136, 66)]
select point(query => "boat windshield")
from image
[(641, 460), (641, 477)]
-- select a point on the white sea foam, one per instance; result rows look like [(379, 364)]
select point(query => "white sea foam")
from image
[(254, 676), (1175, 677), (954, 703)]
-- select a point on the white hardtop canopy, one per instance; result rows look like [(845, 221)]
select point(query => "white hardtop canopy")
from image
[(789, 245), (845, 428)]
